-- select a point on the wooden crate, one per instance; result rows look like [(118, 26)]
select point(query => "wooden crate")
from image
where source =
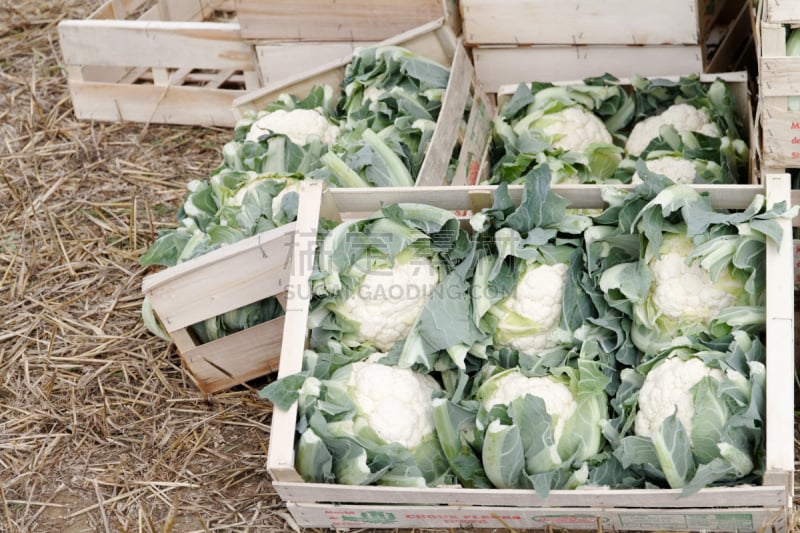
[(765, 507), (223, 280), (133, 60), (778, 80), (436, 41), (739, 86), (723, 48), (645, 22), (339, 20)]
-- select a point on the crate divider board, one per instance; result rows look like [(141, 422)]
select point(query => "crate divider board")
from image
[(225, 279), (436, 41), (741, 508)]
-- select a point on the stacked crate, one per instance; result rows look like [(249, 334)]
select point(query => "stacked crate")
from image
[(515, 41), (779, 81), (185, 61)]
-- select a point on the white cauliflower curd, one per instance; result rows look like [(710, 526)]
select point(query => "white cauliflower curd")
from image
[(395, 402), (573, 128), (532, 311), (388, 301), (558, 400), (683, 117), (298, 124), (666, 387), (686, 293), (677, 169)]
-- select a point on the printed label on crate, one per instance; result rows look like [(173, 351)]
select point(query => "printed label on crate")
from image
[(796, 243), (572, 521), (710, 521)]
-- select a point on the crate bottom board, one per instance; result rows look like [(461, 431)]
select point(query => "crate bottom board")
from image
[(571, 518), (233, 359), (156, 104)]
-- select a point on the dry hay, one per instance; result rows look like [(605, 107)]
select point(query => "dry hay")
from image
[(100, 429)]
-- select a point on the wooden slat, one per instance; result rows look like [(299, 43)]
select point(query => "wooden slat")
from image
[(280, 458), (780, 343), (225, 279), (155, 44), (148, 103), (733, 44), (578, 22), (448, 125), (742, 496), (333, 20), (724, 519), (497, 66), (781, 11), (458, 197), (476, 140), (237, 358), (779, 76), (283, 60)]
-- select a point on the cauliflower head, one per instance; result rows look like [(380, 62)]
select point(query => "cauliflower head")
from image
[(528, 316), (677, 169), (685, 293), (683, 117), (667, 387), (573, 129), (388, 301), (298, 124), (394, 402), (558, 399)]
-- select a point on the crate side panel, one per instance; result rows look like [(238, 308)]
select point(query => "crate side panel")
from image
[(780, 137), (226, 279), (280, 457), (155, 44), (434, 41), (237, 358), (779, 11), (724, 519), (501, 66), (279, 61), (333, 20), (112, 102), (610, 22)]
